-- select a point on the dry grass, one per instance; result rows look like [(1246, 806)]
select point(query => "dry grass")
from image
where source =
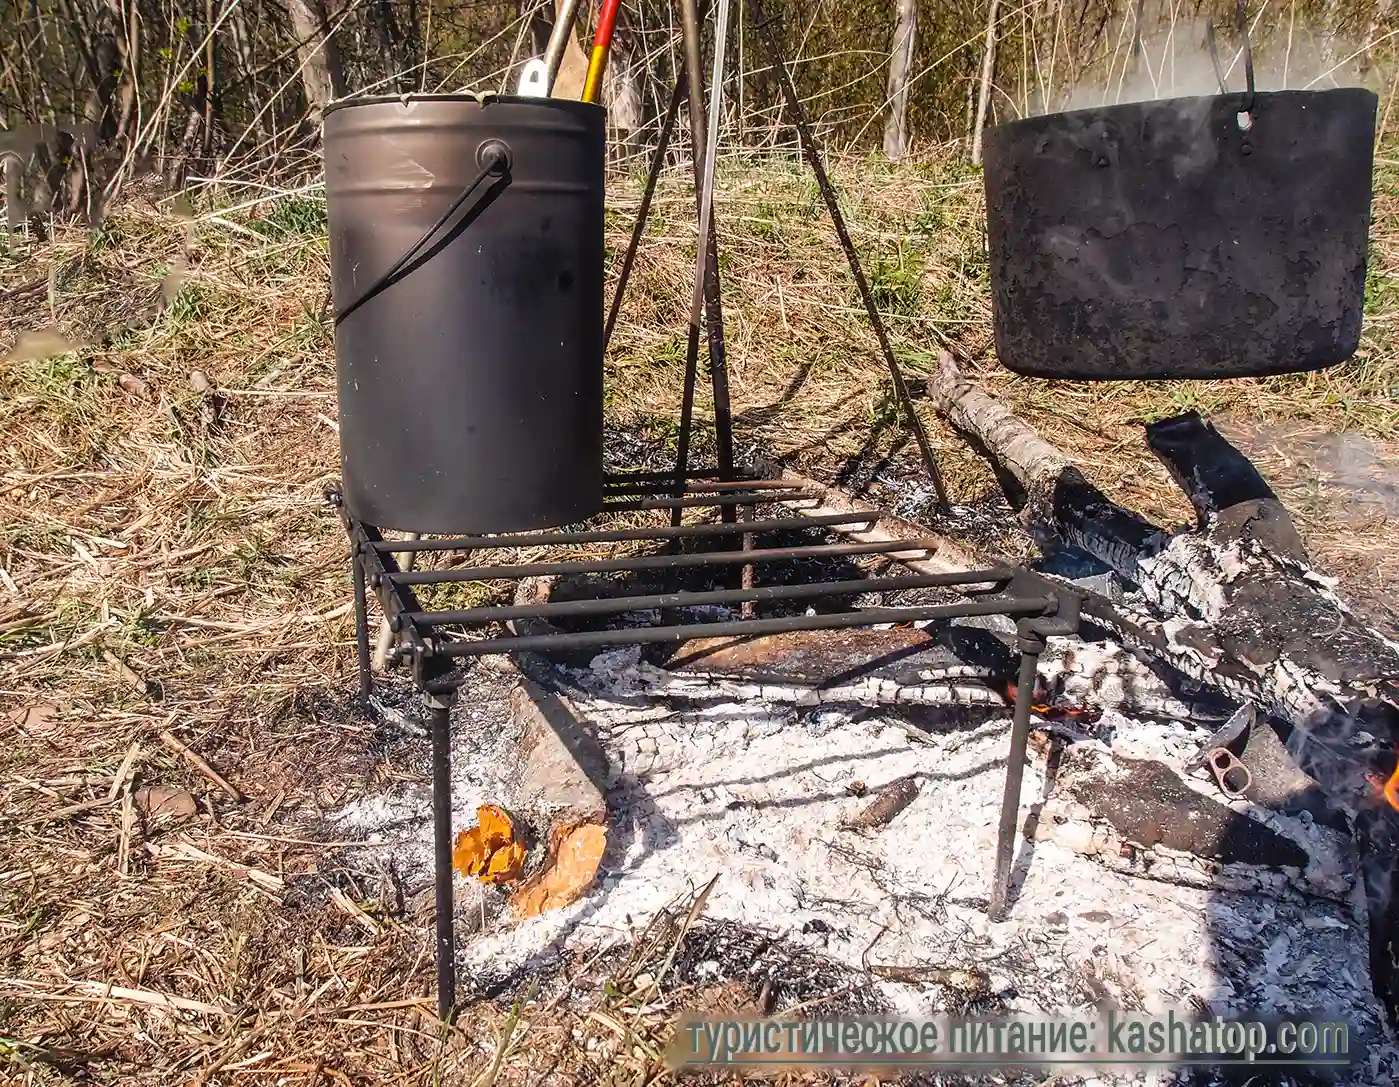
[(167, 566)]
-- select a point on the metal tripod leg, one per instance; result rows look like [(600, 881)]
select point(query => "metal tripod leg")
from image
[(763, 26), (705, 301), (643, 214)]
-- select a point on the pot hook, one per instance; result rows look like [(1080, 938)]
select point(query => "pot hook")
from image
[(1241, 14), (1241, 10)]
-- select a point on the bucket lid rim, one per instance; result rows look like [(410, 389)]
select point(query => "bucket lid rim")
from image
[(482, 100), (1241, 97)]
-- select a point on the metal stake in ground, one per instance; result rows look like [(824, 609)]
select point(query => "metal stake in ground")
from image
[(366, 678), (1031, 646), (823, 182), (442, 851)]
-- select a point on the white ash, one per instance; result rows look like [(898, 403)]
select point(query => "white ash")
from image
[(868, 692), (756, 794), (1069, 824), (1103, 675), (1122, 740), (761, 809), (1110, 676), (1141, 717), (397, 824)]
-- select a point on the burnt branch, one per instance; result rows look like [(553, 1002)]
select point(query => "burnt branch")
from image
[(1236, 604), (1232, 501)]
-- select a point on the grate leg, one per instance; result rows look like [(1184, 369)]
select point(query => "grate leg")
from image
[(1031, 646), (366, 679), (442, 848)]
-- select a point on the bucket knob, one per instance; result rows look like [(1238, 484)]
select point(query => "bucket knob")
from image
[(493, 156)]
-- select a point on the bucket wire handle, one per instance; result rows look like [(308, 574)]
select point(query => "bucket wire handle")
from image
[(1214, 55), (1241, 9), (1245, 113), (494, 157)]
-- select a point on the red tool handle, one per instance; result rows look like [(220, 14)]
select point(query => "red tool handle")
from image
[(602, 42)]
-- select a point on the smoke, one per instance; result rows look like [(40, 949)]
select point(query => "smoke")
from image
[(1175, 61), (1359, 477)]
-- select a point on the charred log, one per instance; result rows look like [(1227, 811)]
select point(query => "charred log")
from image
[(1237, 607), (1231, 499), (1377, 837), (1240, 608), (1141, 818)]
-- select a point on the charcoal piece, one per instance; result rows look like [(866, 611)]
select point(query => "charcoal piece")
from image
[(884, 809), (1151, 806)]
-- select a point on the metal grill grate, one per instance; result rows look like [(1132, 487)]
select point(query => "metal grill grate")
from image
[(438, 645)]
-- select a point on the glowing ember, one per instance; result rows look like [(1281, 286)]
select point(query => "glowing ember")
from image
[(1388, 789), (1044, 705)]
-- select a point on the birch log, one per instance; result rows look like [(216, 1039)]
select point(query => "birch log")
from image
[(1236, 604)]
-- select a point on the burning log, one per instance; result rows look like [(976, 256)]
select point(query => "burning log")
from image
[(1241, 609), (1355, 755), (1237, 607)]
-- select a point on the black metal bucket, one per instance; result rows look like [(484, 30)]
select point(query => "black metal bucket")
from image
[(466, 258), (1213, 237)]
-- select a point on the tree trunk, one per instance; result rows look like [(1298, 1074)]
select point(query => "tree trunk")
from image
[(243, 43), (211, 20), (988, 71), (177, 171), (398, 45), (318, 54), (102, 54), (621, 94), (14, 197), (900, 62), (539, 25), (1377, 21)]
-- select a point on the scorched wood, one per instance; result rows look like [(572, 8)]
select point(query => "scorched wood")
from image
[(1237, 606)]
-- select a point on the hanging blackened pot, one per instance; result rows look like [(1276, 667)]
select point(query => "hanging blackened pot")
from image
[(1210, 237)]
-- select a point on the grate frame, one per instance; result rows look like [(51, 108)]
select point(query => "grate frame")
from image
[(434, 644)]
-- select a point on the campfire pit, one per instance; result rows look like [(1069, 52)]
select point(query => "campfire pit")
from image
[(1040, 608), (789, 781), (820, 726)]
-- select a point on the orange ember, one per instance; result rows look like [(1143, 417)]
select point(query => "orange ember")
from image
[(1046, 708), (1388, 789)]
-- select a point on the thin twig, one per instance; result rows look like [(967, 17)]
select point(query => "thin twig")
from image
[(169, 740)]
